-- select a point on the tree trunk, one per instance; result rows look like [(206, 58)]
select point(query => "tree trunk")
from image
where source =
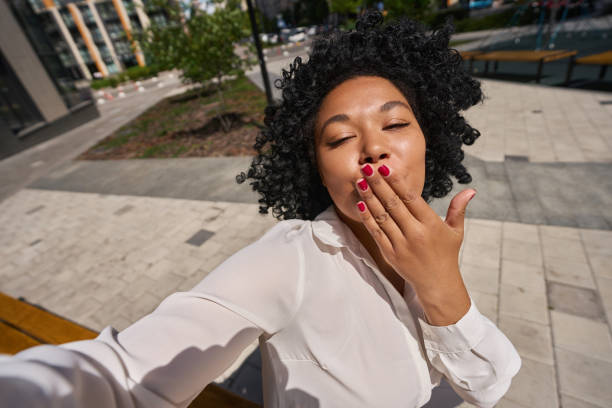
[(225, 122)]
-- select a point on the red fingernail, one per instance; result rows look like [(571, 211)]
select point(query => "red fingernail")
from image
[(361, 206), (363, 184), (367, 170), (384, 170)]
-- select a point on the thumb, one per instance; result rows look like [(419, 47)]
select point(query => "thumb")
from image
[(455, 215)]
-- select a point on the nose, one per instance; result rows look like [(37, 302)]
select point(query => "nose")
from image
[(374, 148)]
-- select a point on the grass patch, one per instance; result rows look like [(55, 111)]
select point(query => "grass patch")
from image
[(188, 125), (459, 42)]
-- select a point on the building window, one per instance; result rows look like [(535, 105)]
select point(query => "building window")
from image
[(115, 31), (97, 35), (87, 15), (16, 106)]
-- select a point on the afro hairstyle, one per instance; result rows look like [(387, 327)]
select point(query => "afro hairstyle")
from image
[(419, 63)]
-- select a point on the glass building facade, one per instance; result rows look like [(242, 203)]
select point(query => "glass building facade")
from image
[(94, 38)]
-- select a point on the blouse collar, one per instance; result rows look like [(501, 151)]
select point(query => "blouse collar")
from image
[(331, 230)]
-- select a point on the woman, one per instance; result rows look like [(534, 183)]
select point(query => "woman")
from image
[(356, 297)]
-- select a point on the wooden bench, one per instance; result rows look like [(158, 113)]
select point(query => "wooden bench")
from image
[(540, 57), (604, 59), (23, 325), (469, 56)]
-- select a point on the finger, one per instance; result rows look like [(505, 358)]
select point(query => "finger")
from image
[(378, 213), (389, 199), (455, 216), (374, 228), (412, 199)]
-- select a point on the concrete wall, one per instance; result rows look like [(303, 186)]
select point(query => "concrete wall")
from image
[(25, 63)]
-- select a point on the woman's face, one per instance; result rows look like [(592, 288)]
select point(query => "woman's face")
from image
[(366, 119)]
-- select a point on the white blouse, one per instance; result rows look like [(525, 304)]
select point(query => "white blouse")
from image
[(333, 332)]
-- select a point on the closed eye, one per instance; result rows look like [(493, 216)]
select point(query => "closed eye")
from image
[(339, 141), (396, 125)]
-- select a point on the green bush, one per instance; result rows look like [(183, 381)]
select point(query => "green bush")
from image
[(131, 74), (99, 83)]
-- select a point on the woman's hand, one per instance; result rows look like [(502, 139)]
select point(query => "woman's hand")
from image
[(412, 238)]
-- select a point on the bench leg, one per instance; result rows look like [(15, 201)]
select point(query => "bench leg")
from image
[(486, 67), (570, 68), (539, 74), (602, 71), (495, 65)]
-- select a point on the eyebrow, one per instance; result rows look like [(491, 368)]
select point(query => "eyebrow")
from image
[(342, 117)]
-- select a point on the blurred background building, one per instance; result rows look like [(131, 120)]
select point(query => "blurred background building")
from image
[(49, 52)]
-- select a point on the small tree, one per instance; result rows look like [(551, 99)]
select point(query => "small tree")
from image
[(201, 45), (344, 6)]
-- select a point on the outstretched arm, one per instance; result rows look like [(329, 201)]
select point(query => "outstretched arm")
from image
[(163, 360), (168, 357)]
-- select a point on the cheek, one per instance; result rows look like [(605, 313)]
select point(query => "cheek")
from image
[(338, 170)]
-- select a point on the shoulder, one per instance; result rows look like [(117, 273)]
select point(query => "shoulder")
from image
[(288, 232), (264, 281)]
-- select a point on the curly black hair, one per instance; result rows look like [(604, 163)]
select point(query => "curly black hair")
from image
[(420, 64)]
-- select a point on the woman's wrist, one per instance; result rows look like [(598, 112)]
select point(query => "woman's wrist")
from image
[(445, 306)]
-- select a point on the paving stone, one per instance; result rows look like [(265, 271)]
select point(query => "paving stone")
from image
[(521, 232), (524, 276), (582, 335), (571, 402), (559, 232), (506, 403), (484, 223), (569, 249), (597, 241), (605, 290), (532, 340), (484, 255), (594, 221), (139, 307), (584, 377), (160, 268), (486, 304), (534, 385), (523, 252), (479, 235), (601, 264), (480, 278), (523, 304), (574, 300), (569, 272), (165, 285)]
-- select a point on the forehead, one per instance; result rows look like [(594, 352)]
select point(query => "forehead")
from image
[(358, 93)]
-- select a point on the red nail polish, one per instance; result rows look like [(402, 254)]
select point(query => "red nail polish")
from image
[(363, 184), (361, 206), (384, 170), (367, 170)]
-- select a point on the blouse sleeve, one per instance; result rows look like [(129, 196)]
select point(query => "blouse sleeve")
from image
[(474, 356), (166, 358)]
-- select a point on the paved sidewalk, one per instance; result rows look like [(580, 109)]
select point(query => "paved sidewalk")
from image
[(19, 170), (103, 243), (108, 260)]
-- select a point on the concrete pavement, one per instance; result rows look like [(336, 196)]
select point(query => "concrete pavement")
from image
[(103, 243)]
